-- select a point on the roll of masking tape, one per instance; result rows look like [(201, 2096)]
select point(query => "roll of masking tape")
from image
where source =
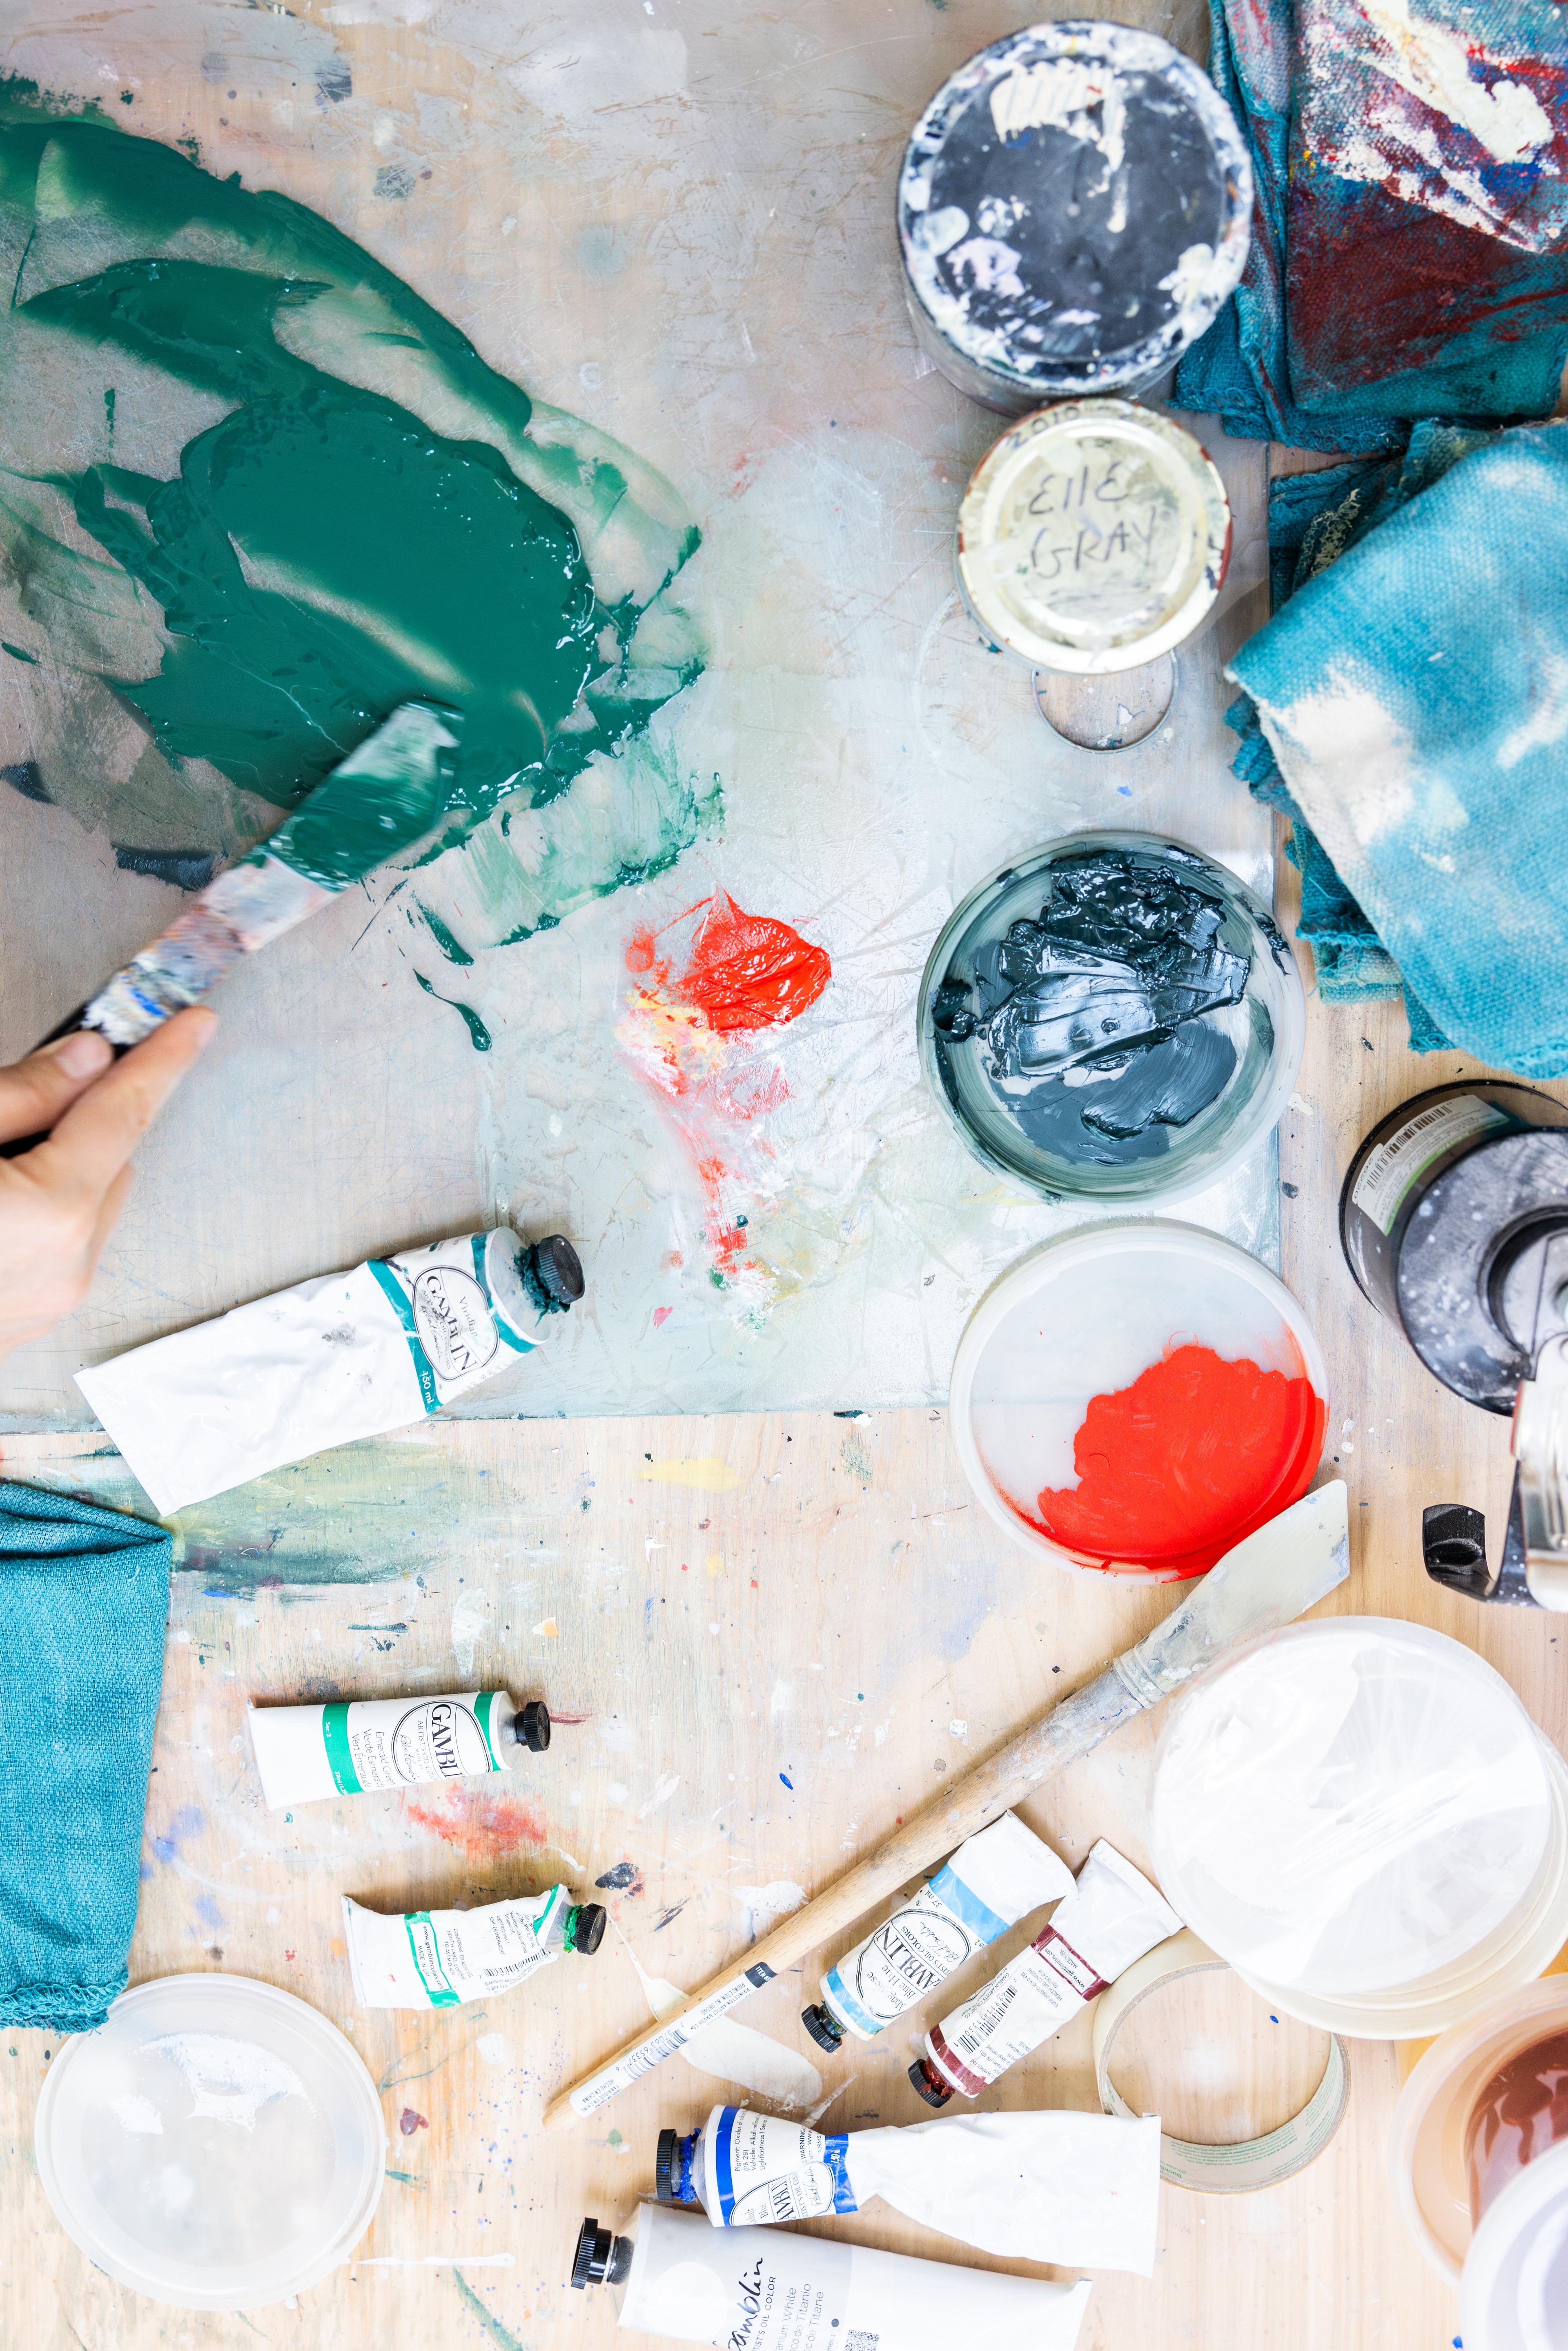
[(1222, 2170)]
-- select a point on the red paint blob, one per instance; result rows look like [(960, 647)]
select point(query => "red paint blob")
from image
[(747, 971), (1174, 1469), (485, 1827)]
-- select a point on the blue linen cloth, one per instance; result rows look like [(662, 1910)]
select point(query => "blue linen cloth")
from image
[(1408, 708), (84, 1603), (1409, 258)]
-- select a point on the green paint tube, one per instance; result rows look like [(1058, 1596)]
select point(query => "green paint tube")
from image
[(306, 1754), (439, 1959)]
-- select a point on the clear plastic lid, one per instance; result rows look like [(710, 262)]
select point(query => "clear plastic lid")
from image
[(216, 2144), (1350, 1806), (1093, 537)]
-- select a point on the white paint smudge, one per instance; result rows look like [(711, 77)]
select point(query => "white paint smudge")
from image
[(494, 2048), (764, 1904), (467, 1625), (662, 1791), (781, 1699), (137, 2114), (735, 2052)]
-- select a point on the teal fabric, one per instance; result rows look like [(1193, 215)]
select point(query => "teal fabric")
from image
[(84, 1604), (1411, 698)]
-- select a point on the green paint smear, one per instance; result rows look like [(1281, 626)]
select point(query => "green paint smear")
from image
[(352, 509), (500, 2334), (452, 948), (382, 798), (479, 1037)]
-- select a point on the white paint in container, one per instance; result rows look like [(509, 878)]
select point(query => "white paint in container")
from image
[(439, 1959), (993, 1880), (347, 1748), (765, 2290), (343, 1356)]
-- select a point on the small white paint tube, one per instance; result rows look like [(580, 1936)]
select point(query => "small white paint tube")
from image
[(343, 1356), (438, 1958), (1051, 2187), (768, 2290), (1112, 1917), (353, 1747), (995, 1878)]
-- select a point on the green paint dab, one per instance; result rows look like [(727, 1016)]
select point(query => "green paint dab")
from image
[(452, 948), (17, 653), (109, 406), (479, 1037), (502, 2337)]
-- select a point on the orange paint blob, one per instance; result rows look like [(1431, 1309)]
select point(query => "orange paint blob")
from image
[(485, 1827), (1174, 1469), (747, 971)]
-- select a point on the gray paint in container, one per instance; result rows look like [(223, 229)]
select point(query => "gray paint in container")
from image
[(1074, 208)]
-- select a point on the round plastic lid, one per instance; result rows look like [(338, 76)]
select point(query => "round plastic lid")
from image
[(1349, 1806), (1514, 2292), (215, 2145), (1085, 1318), (1093, 537)]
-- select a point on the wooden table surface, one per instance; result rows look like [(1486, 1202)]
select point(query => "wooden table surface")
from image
[(764, 1638)]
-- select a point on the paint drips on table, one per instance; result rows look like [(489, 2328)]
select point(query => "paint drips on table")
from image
[(1096, 1023), (710, 981), (1182, 1464), (337, 505)]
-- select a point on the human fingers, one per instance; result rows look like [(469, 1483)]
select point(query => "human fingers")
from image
[(91, 1143), (34, 1094)]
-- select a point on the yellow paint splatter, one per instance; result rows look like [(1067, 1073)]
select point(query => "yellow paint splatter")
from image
[(708, 1474), (549, 1628), (714, 1563)]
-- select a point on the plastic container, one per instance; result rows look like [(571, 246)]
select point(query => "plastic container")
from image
[(1361, 1818), (1140, 1089), (1090, 1316), (215, 2145), (1075, 207), (1508, 2257), (1093, 537)]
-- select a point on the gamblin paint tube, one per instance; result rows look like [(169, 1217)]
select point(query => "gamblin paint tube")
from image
[(439, 1959), (1112, 1917), (994, 1880), (765, 2289), (306, 1753)]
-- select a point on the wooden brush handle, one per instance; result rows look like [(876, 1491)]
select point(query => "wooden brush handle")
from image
[(969, 1804)]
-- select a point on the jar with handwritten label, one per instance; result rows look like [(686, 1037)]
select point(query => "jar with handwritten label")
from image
[(1093, 537)]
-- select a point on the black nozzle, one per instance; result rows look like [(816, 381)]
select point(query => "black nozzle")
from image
[(601, 2258), (530, 1727), (585, 1927), (559, 1268), (930, 2083), (823, 2027)]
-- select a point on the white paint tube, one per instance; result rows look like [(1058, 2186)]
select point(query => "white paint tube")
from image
[(438, 1958), (765, 2289), (1112, 1917), (993, 1880), (1075, 2189), (344, 1357), (350, 1748)]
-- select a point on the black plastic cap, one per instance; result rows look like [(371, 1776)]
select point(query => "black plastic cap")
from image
[(560, 1269), (823, 2027), (587, 1926), (532, 1726), (930, 2083), (590, 2262), (667, 2166)]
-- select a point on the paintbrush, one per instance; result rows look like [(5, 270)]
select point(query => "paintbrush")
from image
[(1264, 1582), (382, 799)]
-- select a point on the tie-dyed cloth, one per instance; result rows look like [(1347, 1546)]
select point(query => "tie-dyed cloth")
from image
[(1410, 252), (1409, 712)]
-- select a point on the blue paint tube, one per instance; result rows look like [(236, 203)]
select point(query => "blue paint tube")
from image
[(994, 1880), (1057, 2185)]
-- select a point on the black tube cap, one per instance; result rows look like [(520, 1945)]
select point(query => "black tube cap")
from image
[(667, 2166), (560, 1269), (587, 1926), (930, 2083), (531, 1729), (823, 2027), (590, 2262)]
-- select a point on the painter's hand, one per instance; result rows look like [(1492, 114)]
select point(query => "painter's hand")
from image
[(59, 1201)]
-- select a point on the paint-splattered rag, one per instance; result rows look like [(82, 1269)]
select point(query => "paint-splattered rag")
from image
[(1409, 253), (84, 1600), (1410, 711)]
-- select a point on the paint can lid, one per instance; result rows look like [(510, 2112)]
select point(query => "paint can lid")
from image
[(531, 1726), (1093, 537), (599, 2257), (1074, 206), (822, 2026), (586, 1926), (924, 2078), (124, 2141)]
